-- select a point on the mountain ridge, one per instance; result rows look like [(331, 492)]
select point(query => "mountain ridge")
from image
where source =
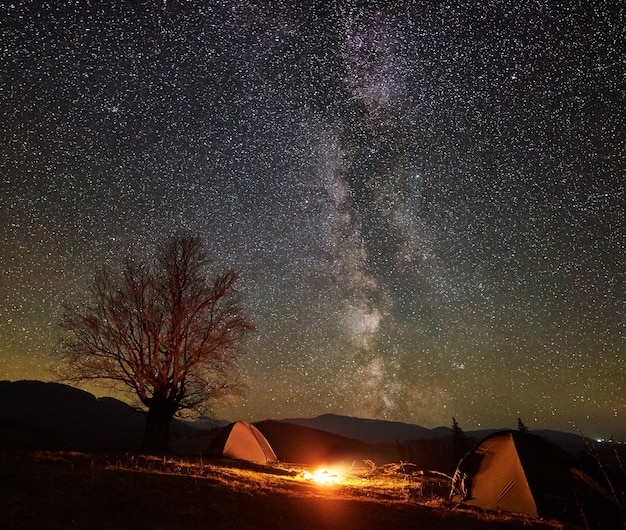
[(37, 414), (369, 430)]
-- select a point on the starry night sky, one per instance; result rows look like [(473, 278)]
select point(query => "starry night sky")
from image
[(425, 202)]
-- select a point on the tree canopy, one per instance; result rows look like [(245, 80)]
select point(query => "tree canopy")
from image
[(162, 329)]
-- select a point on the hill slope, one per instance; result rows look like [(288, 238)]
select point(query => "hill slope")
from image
[(38, 415), (73, 490), (305, 445), (368, 430)]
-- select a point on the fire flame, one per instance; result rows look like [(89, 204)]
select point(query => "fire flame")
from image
[(322, 476)]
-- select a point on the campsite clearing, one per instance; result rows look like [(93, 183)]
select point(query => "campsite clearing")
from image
[(67, 489)]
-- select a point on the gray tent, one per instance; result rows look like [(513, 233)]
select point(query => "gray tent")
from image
[(522, 473), (242, 441)]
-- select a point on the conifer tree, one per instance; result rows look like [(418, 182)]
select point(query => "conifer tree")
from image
[(459, 440), (520, 425)]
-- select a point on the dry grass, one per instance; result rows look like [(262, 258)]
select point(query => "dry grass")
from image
[(390, 482), (77, 490)]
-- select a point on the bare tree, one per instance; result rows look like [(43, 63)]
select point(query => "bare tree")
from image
[(164, 332)]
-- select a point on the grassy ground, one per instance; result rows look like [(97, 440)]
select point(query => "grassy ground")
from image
[(95, 491)]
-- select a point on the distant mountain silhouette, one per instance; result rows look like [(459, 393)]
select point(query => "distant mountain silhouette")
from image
[(572, 443), (38, 415), (370, 431), (390, 432)]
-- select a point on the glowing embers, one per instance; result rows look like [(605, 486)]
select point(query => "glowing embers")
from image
[(322, 476)]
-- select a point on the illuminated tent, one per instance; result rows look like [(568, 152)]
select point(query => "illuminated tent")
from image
[(242, 441), (520, 472)]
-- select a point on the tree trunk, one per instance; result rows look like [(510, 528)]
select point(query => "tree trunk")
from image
[(156, 433)]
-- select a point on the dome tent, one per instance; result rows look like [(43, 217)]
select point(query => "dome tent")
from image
[(523, 473), (242, 441)]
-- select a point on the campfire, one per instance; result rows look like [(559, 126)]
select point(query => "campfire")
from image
[(322, 476)]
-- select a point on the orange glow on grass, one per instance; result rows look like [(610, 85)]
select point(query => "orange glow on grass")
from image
[(322, 476)]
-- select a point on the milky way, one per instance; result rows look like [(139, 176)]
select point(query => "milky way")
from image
[(426, 203)]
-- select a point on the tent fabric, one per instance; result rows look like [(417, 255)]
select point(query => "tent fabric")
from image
[(518, 472), (242, 441), (508, 489)]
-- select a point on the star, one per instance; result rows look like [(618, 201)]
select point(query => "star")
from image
[(425, 203)]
